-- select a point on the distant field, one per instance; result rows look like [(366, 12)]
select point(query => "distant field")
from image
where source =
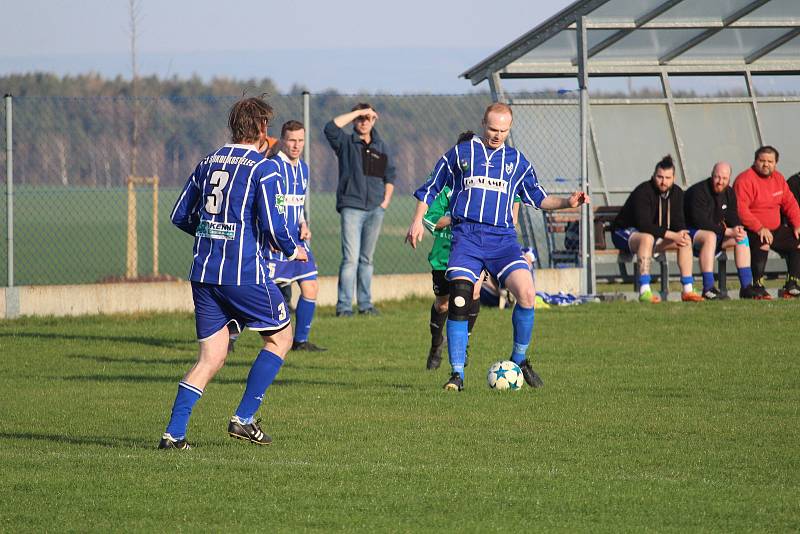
[(681, 418), (78, 235)]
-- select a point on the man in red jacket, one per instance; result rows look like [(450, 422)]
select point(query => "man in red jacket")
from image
[(763, 196)]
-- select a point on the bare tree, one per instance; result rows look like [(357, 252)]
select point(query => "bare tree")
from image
[(134, 13)]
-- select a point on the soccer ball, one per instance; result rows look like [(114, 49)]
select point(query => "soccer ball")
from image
[(505, 375)]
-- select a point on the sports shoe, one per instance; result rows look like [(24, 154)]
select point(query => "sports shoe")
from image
[(251, 432), (790, 289), (307, 346), (369, 311), (714, 294), (434, 358), (761, 291), (649, 296), (345, 313), (168, 442), (691, 296), (455, 383), (530, 376), (748, 292)]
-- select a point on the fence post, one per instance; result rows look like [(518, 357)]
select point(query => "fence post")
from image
[(589, 278), (307, 150), (9, 190)]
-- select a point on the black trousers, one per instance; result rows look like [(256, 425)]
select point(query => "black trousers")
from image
[(784, 242)]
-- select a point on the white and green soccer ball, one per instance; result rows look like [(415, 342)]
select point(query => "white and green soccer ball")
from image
[(505, 375)]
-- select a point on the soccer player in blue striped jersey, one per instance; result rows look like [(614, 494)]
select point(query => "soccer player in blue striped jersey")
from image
[(231, 204), (295, 177), (484, 175)]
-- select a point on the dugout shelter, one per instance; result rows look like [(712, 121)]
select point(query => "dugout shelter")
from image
[(633, 80)]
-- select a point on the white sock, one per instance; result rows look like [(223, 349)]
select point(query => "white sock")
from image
[(687, 288), (644, 288)]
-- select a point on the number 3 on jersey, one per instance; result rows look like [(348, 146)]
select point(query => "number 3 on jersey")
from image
[(214, 201)]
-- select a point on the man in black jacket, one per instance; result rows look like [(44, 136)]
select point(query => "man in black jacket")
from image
[(794, 185), (710, 209), (652, 221), (366, 184)]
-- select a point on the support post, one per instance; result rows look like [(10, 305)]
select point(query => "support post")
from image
[(589, 280), (132, 255), (307, 150), (10, 189)]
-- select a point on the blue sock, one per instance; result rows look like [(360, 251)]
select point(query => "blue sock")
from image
[(305, 314), (644, 279), (262, 373), (745, 276), (708, 281), (522, 321), (457, 337), (187, 396)]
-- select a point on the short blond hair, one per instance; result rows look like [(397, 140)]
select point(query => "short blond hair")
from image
[(498, 107)]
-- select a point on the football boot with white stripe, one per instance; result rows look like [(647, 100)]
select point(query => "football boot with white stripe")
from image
[(250, 432), (168, 442)]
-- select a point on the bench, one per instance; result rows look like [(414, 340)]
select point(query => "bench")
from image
[(562, 232)]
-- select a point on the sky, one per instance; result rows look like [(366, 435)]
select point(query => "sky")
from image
[(413, 46)]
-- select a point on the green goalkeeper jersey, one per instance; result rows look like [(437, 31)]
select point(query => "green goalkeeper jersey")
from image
[(440, 251)]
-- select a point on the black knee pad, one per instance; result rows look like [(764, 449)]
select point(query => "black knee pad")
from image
[(460, 300)]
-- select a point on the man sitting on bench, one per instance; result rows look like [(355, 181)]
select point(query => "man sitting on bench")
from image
[(710, 209), (763, 196), (652, 221)]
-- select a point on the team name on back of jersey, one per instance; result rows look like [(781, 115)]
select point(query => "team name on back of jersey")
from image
[(229, 160), (216, 230), (484, 182)]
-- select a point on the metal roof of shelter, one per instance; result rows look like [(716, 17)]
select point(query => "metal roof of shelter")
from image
[(630, 37), (610, 147)]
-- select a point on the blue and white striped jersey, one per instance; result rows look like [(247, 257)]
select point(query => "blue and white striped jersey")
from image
[(232, 203), (294, 184), (484, 183)]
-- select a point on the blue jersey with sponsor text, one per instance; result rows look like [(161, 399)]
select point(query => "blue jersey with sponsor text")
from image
[(231, 204), (484, 183), (294, 184)]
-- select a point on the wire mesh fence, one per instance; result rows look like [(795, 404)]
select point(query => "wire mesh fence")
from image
[(78, 218)]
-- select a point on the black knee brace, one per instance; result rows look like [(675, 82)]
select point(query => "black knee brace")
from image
[(460, 300)]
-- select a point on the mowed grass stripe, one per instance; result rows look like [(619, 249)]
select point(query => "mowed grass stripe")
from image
[(670, 418)]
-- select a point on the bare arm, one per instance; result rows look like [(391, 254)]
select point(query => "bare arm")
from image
[(345, 118), (416, 229), (559, 203)]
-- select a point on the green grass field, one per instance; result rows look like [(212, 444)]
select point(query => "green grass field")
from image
[(653, 418)]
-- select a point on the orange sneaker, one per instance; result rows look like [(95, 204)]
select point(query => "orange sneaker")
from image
[(691, 296)]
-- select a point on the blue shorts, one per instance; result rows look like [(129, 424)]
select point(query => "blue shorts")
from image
[(476, 247), (696, 251), (258, 307), (621, 238), (285, 272)]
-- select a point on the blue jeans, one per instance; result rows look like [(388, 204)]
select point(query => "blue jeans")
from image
[(360, 230)]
